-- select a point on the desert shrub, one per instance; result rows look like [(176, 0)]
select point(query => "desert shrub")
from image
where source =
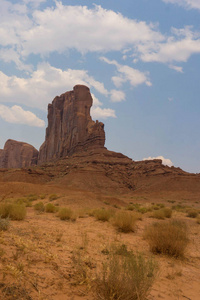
[(24, 201), (168, 237), (103, 214), (162, 213), (32, 197), (42, 196), (53, 197), (125, 221), (50, 208), (39, 206), (13, 211), (5, 209), (167, 212), (179, 207), (192, 213), (130, 207), (125, 277), (4, 224), (66, 214), (17, 212)]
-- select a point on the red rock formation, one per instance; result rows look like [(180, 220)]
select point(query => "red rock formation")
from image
[(17, 155), (70, 127)]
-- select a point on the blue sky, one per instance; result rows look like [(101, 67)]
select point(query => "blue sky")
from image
[(140, 58)]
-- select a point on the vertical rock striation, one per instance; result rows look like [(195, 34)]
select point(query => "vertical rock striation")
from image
[(70, 126)]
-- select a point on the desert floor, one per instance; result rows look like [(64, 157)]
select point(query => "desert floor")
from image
[(43, 257)]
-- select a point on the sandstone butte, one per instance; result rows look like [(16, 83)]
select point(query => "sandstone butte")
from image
[(73, 155)]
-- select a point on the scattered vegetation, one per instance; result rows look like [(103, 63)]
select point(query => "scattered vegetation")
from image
[(24, 201), (169, 237), (162, 213), (39, 206), (192, 213), (66, 213), (103, 214), (4, 224), (53, 197), (127, 277), (13, 211), (50, 208), (32, 197), (125, 221)]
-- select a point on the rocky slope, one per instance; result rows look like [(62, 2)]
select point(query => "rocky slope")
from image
[(17, 155), (70, 127)]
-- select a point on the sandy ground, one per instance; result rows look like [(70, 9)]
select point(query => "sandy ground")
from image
[(41, 257)]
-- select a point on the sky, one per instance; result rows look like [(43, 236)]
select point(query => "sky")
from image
[(140, 59)]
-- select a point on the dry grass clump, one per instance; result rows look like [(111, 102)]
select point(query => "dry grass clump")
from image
[(103, 214), (39, 206), (50, 208), (125, 277), (24, 201), (169, 237), (66, 213), (53, 197), (32, 197), (192, 213), (4, 224), (162, 213), (125, 221), (13, 211)]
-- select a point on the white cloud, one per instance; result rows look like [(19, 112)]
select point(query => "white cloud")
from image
[(17, 115), (45, 83), (176, 48), (111, 30), (165, 161), (34, 3), (117, 96), (176, 68), (185, 3), (102, 113), (41, 31), (126, 73)]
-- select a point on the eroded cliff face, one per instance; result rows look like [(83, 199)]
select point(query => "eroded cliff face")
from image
[(70, 126), (18, 155)]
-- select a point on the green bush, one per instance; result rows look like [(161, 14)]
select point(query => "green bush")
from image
[(125, 221), (125, 277), (168, 237), (66, 214), (50, 208), (39, 206)]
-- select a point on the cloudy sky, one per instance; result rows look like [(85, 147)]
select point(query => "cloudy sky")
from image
[(140, 58)]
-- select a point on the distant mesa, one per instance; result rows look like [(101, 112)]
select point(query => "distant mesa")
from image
[(18, 155), (70, 129)]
